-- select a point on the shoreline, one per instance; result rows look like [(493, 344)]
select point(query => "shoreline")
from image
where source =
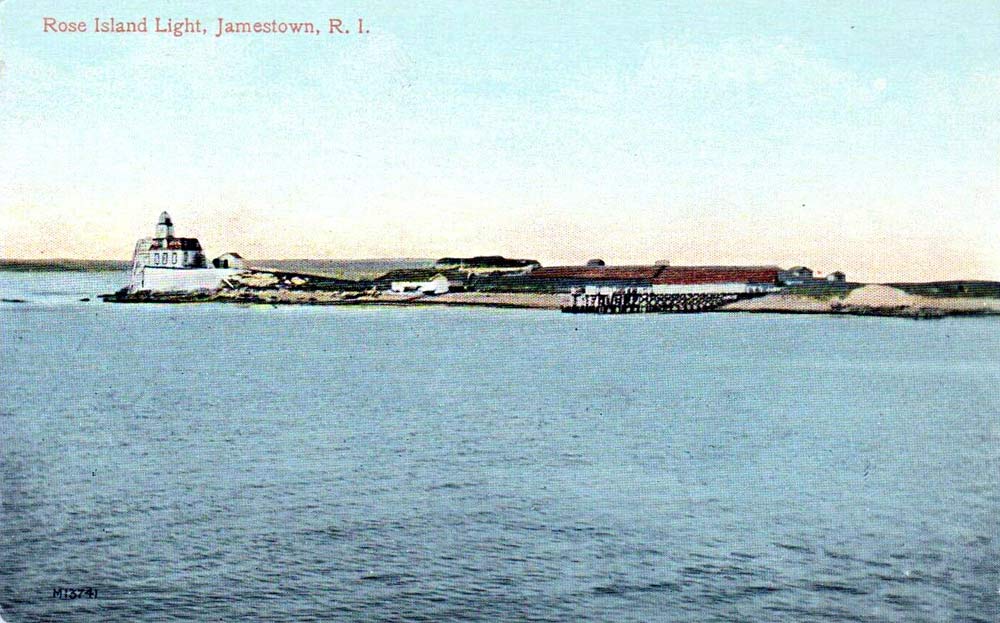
[(292, 297), (922, 313), (259, 287), (870, 300), (911, 307)]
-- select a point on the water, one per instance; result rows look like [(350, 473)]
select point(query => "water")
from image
[(227, 463)]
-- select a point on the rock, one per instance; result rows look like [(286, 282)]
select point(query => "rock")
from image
[(256, 280)]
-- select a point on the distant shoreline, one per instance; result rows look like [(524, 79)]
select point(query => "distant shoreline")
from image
[(362, 268), (63, 265)]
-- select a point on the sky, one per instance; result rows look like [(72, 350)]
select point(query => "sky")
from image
[(854, 136)]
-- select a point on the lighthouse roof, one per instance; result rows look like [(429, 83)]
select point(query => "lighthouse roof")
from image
[(165, 219), (181, 244)]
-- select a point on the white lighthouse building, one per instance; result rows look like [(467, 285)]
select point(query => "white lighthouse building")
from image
[(166, 263)]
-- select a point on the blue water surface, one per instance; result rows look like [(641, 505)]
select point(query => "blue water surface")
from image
[(219, 462)]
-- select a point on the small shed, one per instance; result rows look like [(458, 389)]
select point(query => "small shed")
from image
[(229, 260), (837, 277), (420, 280)]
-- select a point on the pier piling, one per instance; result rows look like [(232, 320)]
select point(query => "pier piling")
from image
[(635, 302)]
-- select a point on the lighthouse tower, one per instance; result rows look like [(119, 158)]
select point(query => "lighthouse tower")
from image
[(165, 228)]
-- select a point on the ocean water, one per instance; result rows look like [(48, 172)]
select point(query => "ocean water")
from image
[(252, 463)]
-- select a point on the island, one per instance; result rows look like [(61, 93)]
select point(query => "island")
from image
[(169, 269)]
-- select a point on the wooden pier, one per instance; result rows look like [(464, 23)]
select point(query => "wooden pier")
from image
[(635, 302)]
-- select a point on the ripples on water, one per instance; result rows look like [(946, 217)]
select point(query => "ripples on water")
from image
[(224, 463)]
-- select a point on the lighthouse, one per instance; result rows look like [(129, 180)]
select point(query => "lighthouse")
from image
[(166, 263)]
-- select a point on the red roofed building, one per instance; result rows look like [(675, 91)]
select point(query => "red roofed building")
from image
[(717, 274), (715, 279), (598, 273), (665, 279)]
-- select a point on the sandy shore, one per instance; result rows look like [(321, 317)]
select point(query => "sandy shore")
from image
[(871, 300)]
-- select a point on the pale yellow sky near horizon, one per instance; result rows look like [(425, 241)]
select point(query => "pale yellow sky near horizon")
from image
[(856, 138)]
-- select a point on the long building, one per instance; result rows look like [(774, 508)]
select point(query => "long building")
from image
[(715, 279), (662, 279)]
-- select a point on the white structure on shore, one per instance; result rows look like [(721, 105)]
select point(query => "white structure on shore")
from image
[(166, 263), (229, 260), (438, 284)]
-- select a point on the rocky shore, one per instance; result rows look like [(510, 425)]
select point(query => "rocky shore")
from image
[(276, 296), (477, 299)]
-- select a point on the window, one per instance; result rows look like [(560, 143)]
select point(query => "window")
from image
[(173, 257), (156, 258)]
